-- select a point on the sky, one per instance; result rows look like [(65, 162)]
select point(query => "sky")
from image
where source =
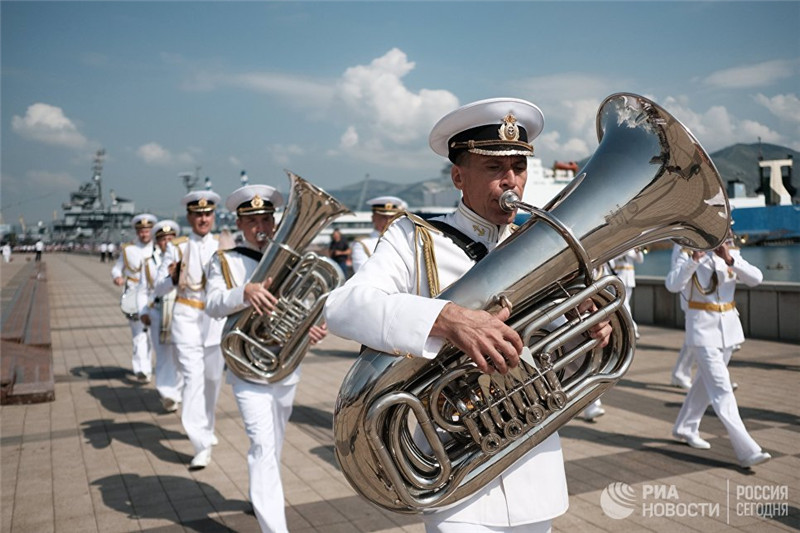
[(335, 91)]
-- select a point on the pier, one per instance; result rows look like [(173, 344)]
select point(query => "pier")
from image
[(103, 455)]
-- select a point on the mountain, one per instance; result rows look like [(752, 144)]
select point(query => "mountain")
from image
[(737, 162), (740, 162)]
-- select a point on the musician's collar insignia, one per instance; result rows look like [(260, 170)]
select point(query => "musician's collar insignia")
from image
[(475, 226)]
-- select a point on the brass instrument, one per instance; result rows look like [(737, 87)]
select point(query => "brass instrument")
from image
[(413, 434), (267, 348)]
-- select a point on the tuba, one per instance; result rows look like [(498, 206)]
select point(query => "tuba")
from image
[(414, 435), (267, 348)]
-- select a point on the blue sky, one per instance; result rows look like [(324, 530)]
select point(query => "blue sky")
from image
[(337, 90)]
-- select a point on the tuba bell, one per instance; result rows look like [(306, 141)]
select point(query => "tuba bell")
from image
[(267, 348), (414, 435)]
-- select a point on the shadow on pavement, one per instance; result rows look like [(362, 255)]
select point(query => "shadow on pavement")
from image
[(160, 497), (101, 432)]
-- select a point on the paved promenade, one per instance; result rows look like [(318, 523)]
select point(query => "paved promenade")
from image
[(105, 457)]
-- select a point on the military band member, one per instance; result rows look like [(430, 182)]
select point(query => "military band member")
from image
[(624, 268), (126, 273), (384, 208), (265, 408), (389, 304), (707, 282), (196, 335), (156, 314)]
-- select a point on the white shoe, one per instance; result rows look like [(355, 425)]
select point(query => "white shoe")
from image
[(169, 405), (692, 440), (214, 440), (201, 460), (681, 383), (734, 385), (756, 459), (592, 412)]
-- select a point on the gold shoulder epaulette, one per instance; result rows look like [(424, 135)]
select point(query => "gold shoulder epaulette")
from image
[(687, 251), (180, 240), (416, 220)]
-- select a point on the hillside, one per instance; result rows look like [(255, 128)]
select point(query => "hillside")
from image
[(737, 162)]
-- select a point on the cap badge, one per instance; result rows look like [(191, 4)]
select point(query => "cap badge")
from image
[(257, 201), (202, 202), (509, 131), (166, 228)]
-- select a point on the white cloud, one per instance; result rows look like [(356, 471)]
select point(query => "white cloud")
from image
[(386, 109), (282, 154), (717, 128), (48, 124), (349, 138), (154, 154), (783, 106), (758, 75)]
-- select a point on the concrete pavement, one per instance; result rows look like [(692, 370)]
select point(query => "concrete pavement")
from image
[(105, 457)]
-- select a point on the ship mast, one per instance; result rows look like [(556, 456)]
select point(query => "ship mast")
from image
[(97, 173)]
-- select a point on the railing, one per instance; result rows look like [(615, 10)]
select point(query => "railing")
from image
[(768, 311)]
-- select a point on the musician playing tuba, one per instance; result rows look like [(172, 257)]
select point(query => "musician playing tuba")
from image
[(389, 304), (265, 407)]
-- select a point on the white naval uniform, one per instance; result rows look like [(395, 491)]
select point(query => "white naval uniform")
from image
[(265, 408), (195, 334), (682, 371), (169, 380), (713, 328), (625, 270), (129, 267), (362, 249), (386, 305)]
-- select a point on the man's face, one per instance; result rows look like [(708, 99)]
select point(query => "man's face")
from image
[(482, 179), (379, 221), (201, 222), (256, 229), (163, 240), (144, 235)]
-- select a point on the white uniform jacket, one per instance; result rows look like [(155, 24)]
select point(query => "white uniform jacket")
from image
[(130, 261), (624, 267), (362, 249), (707, 288), (387, 306), (227, 275), (191, 325)]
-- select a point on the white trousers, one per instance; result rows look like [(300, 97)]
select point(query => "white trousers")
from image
[(463, 527), (169, 380), (201, 368), (265, 411), (141, 362), (683, 365), (713, 385), (627, 304)]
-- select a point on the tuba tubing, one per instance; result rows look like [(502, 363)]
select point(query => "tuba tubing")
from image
[(414, 435), (266, 349)]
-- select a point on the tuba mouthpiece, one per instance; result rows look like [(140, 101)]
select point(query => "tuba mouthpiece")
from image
[(508, 201)]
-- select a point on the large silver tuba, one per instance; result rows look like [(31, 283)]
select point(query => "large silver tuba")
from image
[(266, 349), (414, 434)]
